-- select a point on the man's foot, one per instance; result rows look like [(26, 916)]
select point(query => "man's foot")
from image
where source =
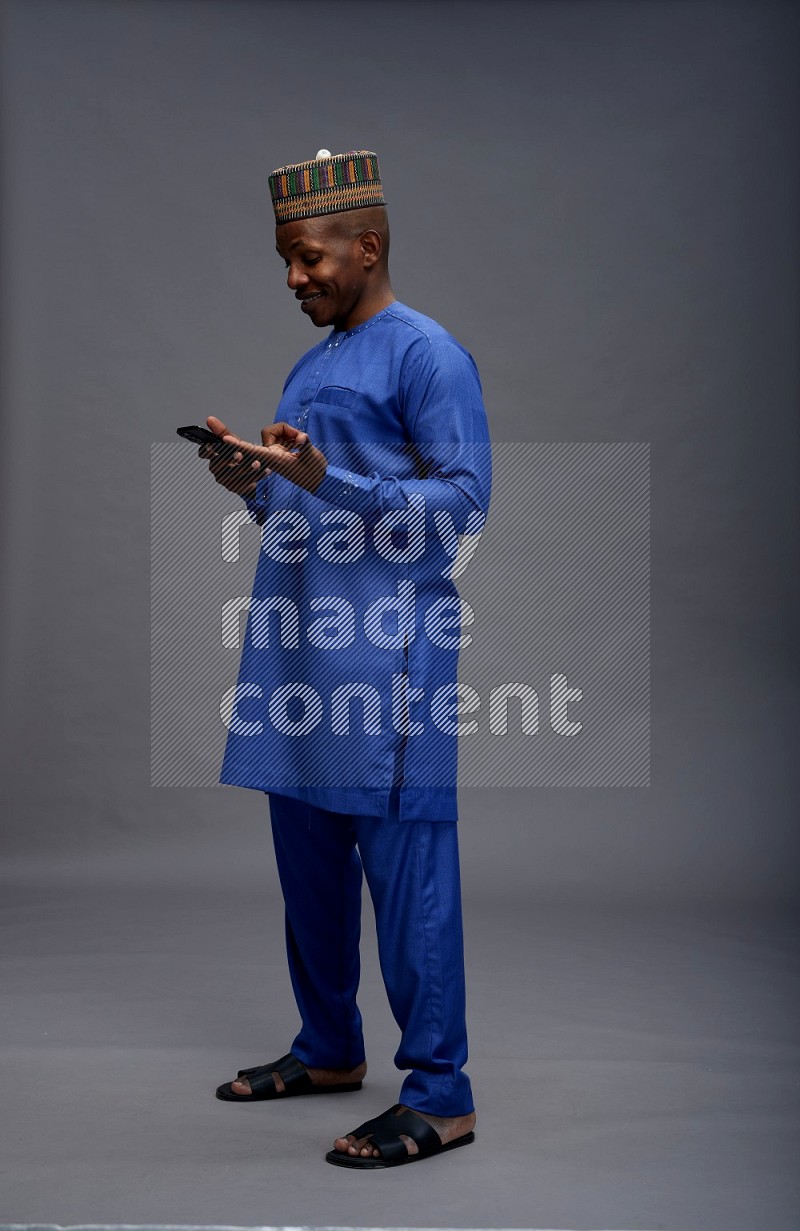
[(319, 1077), (448, 1128)]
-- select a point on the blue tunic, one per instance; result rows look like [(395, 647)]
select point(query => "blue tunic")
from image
[(347, 692)]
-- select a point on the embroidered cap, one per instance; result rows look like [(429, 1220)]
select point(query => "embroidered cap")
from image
[(327, 184)]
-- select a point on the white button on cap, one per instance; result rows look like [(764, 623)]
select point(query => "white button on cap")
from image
[(323, 154)]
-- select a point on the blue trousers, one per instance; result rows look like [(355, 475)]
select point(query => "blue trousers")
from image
[(412, 871)]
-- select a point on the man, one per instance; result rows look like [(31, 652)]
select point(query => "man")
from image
[(377, 465)]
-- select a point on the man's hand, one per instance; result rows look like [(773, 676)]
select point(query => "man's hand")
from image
[(284, 449), (233, 470)]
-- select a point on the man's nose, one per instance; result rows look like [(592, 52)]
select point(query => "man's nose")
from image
[(296, 278)]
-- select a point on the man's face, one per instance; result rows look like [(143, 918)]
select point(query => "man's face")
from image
[(325, 267)]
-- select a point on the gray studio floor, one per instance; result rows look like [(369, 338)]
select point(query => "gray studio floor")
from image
[(634, 1067)]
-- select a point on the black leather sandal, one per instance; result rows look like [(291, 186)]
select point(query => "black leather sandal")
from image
[(295, 1080), (385, 1131)]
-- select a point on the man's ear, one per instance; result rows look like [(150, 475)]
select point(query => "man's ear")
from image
[(371, 246)]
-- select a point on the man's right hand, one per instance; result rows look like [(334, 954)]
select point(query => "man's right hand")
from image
[(238, 472)]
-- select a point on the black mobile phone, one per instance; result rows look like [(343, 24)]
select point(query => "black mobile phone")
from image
[(202, 436)]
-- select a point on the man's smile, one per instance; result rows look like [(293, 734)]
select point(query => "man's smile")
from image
[(307, 300)]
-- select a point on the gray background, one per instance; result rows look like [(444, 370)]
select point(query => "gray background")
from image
[(600, 201)]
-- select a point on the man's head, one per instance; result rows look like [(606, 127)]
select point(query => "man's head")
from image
[(332, 232)]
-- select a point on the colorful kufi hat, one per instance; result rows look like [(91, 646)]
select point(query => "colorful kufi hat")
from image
[(327, 184)]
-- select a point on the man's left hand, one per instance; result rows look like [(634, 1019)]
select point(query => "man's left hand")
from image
[(284, 449)]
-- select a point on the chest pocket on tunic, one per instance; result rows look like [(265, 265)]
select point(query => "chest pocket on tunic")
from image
[(356, 434), (347, 416), (339, 416)]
